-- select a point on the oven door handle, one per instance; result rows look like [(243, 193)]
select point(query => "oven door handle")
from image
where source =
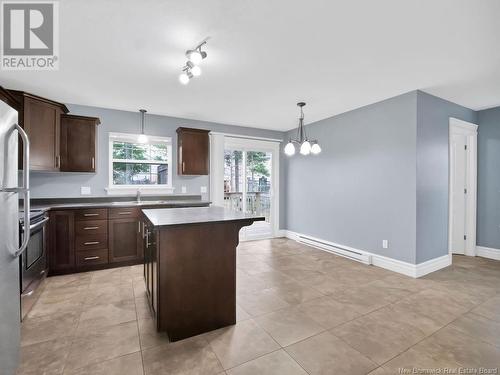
[(39, 224)]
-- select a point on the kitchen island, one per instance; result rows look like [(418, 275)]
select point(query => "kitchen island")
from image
[(190, 267)]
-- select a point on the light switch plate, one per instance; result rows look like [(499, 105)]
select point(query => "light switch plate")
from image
[(203, 189), (385, 244), (183, 190), (85, 190)]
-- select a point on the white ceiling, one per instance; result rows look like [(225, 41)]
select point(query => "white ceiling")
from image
[(265, 55)]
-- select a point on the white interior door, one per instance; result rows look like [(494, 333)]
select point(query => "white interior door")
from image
[(251, 180), (462, 192), (458, 165)]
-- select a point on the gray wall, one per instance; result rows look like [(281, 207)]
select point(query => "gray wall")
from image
[(361, 189), (433, 116), (48, 185), (488, 192)]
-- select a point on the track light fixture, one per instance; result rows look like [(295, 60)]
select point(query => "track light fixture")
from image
[(191, 69)]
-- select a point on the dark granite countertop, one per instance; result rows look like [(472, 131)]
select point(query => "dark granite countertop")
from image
[(46, 204), (161, 218)]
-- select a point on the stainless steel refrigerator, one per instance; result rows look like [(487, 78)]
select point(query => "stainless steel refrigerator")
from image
[(10, 246)]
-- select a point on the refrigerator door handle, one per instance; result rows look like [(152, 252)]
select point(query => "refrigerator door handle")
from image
[(25, 189)]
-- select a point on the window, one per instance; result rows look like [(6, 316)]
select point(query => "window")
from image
[(134, 165)]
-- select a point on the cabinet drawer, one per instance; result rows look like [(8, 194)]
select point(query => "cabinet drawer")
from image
[(91, 214), (91, 242), (122, 213), (91, 227), (91, 257)]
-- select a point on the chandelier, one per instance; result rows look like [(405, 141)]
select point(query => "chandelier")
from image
[(306, 146)]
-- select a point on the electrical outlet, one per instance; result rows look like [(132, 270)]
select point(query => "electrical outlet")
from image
[(203, 189), (183, 189), (385, 244), (85, 190)]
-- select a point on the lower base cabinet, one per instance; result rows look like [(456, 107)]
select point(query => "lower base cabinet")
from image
[(88, 239), (125, 242), (61, 241)]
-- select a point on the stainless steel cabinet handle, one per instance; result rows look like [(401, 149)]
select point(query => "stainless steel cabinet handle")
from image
[(91, 243), (87, 215), (138, 227), (90, 228), (91, 258), (25, 188), (58, 161), (93, 163), (125, 213), (183, 166)]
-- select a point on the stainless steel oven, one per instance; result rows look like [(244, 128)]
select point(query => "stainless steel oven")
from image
[(33, 260)]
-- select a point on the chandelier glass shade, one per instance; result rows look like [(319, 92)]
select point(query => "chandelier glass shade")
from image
[(305, 145)]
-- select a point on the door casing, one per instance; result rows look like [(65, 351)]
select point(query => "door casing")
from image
[(469, 130)]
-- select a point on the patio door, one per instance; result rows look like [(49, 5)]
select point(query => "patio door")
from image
[(250, 179)]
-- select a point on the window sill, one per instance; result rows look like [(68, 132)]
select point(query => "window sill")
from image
[(145, 190)]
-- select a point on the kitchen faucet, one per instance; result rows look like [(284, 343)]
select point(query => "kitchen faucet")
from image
[(138, 196)]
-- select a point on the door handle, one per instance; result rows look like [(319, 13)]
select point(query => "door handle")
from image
[(90, 228), (91, 258), (87, 215), (93, 163), (91, 243), (39, 224), (25, 188)]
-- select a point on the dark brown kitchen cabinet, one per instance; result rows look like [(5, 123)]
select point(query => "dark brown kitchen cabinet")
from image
[(61, 241), (78, 143), (41, 120), (192, 151), (125, 242)]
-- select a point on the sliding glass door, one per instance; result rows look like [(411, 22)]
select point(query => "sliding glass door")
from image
[(249, 183)]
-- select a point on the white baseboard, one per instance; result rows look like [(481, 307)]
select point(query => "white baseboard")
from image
[(405, 268), (488, 252), (432, 265)]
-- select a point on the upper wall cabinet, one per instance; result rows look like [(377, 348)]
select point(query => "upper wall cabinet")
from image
[(41, 120), (192, 151), (78, 143)]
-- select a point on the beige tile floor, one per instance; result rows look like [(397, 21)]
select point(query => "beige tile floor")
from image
[(300, 311)]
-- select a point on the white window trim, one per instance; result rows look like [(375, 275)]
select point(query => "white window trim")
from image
[(132, 189)]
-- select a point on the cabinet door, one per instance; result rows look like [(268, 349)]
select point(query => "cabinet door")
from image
[(124, 240), (41, 121), (61, 241), (78, 144), (193, 157)]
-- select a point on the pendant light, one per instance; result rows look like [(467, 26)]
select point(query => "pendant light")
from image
[(142, 137), (306, 146)]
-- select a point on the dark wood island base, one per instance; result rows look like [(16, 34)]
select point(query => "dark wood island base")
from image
[(190, 268)]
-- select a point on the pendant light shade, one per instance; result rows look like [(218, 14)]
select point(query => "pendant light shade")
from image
[(306, 146), (142, 137), (315, 149), (290, 148)]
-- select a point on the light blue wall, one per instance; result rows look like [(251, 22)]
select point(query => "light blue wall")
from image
[(361, 189), (433, 116), (48, 185), (488, 183)]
